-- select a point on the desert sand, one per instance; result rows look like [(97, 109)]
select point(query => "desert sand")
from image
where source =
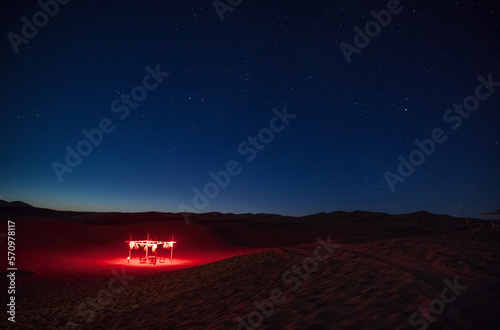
[(342, 270)]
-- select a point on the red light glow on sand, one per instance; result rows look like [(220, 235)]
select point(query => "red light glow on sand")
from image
[(135, 263)]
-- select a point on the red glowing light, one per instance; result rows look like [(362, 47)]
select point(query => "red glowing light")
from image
[(154, 246)]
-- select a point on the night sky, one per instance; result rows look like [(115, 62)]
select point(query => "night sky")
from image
[(266, 95)]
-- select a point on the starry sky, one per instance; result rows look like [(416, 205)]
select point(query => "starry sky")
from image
[(171, 91)]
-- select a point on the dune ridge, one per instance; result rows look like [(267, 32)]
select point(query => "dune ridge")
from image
[(382, 271)]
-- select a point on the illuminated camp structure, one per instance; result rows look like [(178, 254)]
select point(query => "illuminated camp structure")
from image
[(134, 245)]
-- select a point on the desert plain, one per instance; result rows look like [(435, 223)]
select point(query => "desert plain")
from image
[(340, 270)]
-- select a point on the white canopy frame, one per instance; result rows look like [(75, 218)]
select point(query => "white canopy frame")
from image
[(146, 244)]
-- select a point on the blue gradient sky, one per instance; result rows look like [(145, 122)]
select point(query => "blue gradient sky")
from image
[(353, 119)]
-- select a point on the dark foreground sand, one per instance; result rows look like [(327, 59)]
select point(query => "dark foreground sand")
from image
[(376, 272)]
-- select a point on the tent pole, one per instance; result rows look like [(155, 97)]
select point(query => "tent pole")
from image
[(147, 248), (129, 249), (172, 249)]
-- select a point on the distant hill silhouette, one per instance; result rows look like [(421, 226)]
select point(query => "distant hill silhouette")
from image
[(19, 210), (243, 229), (14, 204)]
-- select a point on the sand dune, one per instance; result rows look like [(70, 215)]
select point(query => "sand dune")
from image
[(258, 271)]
